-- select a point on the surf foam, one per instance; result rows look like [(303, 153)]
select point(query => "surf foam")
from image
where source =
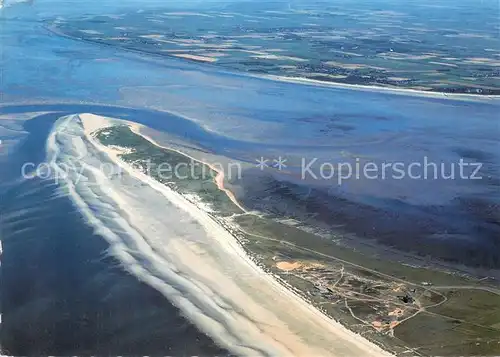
[(172, 245)]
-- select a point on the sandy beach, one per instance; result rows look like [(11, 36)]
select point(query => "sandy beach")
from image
[(369, 88), (262, 315)]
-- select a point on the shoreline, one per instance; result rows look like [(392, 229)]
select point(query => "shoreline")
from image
[(294, 80), (380, 89), (91, 123)]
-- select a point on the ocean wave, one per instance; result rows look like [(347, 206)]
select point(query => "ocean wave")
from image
[(147, 248)]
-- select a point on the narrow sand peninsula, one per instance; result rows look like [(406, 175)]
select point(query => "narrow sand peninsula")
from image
[(266, 317)]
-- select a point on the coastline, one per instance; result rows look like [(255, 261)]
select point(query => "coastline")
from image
[(293, 80), (147, 89), (372, 88), (323, 323)]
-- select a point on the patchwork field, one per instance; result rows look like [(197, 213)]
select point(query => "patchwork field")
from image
[(414, 45)]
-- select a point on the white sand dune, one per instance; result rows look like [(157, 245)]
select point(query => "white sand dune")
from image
[(177, 248)]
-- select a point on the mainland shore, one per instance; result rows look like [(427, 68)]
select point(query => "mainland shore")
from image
[(295, 80)]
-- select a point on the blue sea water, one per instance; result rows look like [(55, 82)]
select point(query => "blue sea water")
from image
[(62, 293)]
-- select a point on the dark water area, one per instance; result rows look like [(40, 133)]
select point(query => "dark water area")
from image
[(187, 131), (463, 233), (62, 294)]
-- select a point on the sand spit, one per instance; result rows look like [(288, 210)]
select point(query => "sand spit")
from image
[(371, 88), (260, 316), (195, 57)]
